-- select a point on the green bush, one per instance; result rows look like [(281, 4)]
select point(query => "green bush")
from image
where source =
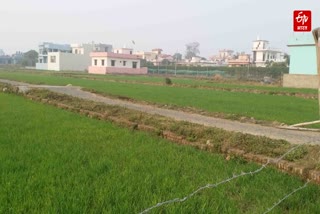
[(168, 81)]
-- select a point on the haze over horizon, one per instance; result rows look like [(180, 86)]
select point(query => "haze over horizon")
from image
[(230, 24)]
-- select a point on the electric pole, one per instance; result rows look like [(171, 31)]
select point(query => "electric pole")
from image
[(316, 35)]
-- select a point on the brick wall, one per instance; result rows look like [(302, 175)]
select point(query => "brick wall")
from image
[(300, 81)]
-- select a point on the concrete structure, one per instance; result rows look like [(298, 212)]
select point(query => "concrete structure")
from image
[(207, 63), (157, 51), (123, 51), (303, 59), (195, 60), (225, 54), (155, 56), (200, 61), (5, 60), (300, 81), (102, 48), (75, 57), (303, 62), (242, 60), (160, 57), (115, 63), (223, 57), (262, 53), (47, 48), (148, 56), (17, 57)]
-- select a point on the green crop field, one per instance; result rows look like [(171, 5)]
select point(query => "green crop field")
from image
[(268, 107), (194, 83), (55, 161)]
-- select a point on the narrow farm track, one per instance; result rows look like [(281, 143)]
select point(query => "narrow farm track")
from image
[(296, 137)]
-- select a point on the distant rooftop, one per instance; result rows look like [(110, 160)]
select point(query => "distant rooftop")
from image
[(2, 52), (114, 55), (50, 45), (301, 39)]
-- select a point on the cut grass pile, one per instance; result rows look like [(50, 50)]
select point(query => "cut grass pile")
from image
[(283, 109), (58, 161)]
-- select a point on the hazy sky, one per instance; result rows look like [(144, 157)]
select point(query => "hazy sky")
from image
[(166, 24)]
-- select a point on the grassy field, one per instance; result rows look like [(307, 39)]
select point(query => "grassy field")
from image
[(160, 80), (210, 83), (285, 109), (54, 161)]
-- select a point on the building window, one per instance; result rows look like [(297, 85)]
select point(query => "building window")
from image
[(130, 52), (95, 62), (134, 64), (124, 63), (40, 60), (113, 62), (76, 51), (53, 59), (102, 62)]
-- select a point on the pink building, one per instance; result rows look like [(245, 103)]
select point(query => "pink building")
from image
[(115, 63)]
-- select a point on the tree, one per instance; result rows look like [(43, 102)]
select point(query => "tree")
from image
[(279, 64), (192, 50), (287, 58), (269, 63), (236, 55), (145, 63), (30, 58), (177, 57), (165, 62)]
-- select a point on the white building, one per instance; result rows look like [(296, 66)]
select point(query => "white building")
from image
[(262, 53), (199, 61), (115, 63), (123, 51), (75, 57), (225, 54), (47, 48), (155, 56), (148, 56)]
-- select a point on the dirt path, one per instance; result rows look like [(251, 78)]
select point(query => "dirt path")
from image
[(297, 137)]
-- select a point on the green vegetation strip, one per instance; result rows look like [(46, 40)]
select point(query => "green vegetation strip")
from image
[(207, 138), (57, 161), (284, 109)]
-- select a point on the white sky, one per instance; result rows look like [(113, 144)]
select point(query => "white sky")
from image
[(166, 24)]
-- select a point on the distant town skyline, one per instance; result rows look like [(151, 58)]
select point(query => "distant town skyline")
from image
[(229, 24)]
